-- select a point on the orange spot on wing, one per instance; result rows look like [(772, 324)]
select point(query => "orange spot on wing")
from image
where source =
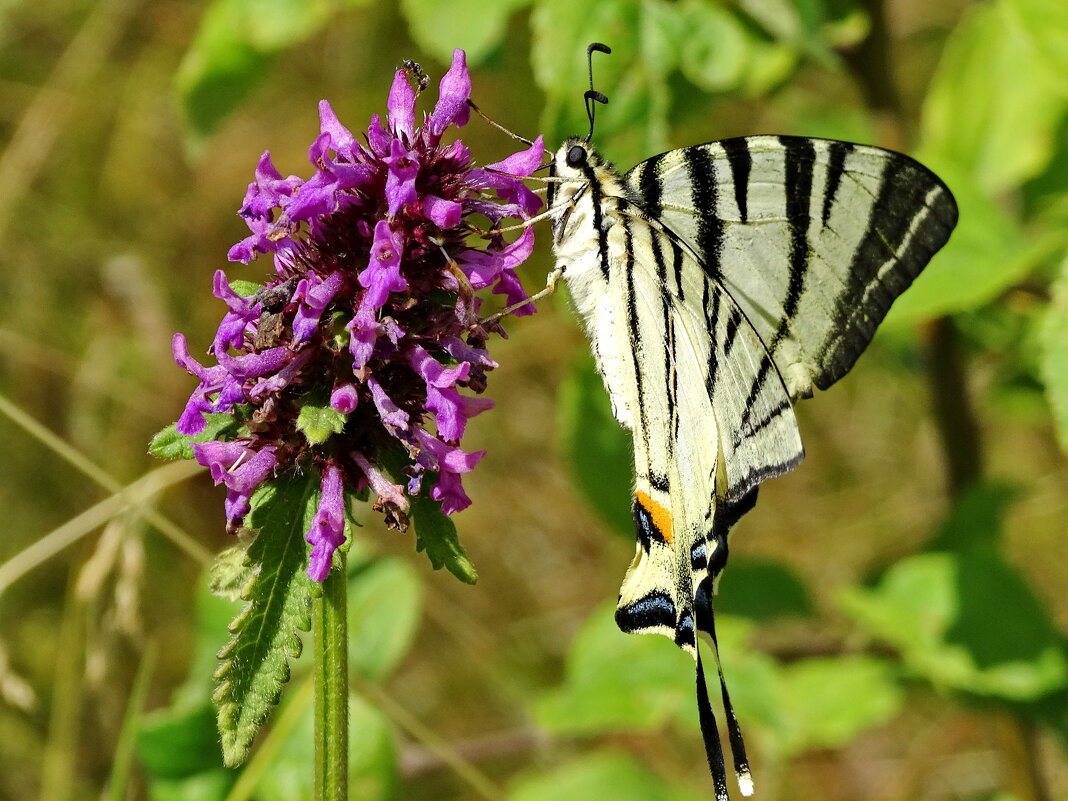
[(660, 515)]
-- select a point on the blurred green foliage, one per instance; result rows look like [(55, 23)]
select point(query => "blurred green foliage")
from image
[(866, 610)]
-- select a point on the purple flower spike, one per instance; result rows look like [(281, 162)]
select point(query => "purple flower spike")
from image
[(381, 265), (328, 526)]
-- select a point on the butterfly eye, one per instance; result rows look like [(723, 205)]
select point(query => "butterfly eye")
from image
[(576, 156)]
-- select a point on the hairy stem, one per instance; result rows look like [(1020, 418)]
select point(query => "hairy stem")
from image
[(330, 624)]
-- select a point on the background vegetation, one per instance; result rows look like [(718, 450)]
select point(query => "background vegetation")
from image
[(896, 606)]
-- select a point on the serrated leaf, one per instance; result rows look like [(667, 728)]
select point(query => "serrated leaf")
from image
[(1054, 359), (169, 444), (232, 52), (255, 663), (827, 702), (436, 534), (599, 776), (597, 448), (319, 422), (230, 573), (717, 52), (475, 26)]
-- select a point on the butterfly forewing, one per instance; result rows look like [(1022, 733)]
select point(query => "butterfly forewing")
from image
[(813, 238)]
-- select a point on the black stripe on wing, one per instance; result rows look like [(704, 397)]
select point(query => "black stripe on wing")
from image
[(835, 169), (702, 173), (654, 610), (741, 161), (911, 219), (650, 185), (798, 163)]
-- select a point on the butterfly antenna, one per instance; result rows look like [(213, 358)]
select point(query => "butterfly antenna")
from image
[(496, 124), (592, 96)]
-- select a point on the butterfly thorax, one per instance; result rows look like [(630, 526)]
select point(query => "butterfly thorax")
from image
[(582, 180), (583, 202)]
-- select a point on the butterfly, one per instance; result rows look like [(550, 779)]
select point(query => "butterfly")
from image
[(718, 284)]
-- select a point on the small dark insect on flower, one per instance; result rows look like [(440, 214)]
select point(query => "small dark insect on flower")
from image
[(371, 319)]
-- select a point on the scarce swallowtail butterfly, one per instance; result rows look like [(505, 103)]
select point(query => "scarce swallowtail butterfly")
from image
[(718, 284)]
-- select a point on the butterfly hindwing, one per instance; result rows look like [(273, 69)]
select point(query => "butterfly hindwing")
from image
[(709, 415), (813, 238)]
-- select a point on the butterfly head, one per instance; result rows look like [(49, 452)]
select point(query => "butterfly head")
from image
[(575, 167)]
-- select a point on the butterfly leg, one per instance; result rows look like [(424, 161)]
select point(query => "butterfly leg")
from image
[(550, 288)]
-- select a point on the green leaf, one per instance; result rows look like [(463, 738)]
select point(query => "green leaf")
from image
[(1054, 364), (255, 663), (233, 51), (597, 448), (475, 26), (761, 589), (993, 107), (169, 444), (1046, 25), (826, 703), (175, 743), (599, 776), (436, 534), (967, 622), (617, 681), (318, 422), (718, 49), (230, 573), (385, 607), (372, 759), (798, 22)]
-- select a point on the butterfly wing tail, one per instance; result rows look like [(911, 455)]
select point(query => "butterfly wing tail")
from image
[(706, 623), (710, 733)]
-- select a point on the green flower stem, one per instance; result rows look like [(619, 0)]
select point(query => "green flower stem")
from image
[(330, 626)]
